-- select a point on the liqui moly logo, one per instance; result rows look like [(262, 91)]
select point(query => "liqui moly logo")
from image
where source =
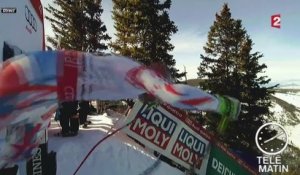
[(154, 126), (189, 148)]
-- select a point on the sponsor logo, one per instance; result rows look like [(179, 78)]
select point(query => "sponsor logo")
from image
[(67, 89), (189, 148), (37, 163), (8, 10), (30, 19), (154, 126), (221, 168)]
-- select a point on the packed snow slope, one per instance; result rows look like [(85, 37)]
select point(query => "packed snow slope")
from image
[(118, 155)]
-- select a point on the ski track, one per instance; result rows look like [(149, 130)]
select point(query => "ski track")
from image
[(118, 155)]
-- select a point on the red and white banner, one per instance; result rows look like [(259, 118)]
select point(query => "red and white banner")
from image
[(32, 84), (170, 132)]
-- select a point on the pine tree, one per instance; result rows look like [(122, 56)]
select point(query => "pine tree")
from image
[(77, 25), (95, 28), (143, 31), (230, 68), (126, 24)]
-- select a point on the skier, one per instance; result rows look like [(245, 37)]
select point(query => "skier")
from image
[(227, 107), (84, 109), (69, 118), (130, 104)]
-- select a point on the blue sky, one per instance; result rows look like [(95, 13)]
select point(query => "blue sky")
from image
[(280, 47)]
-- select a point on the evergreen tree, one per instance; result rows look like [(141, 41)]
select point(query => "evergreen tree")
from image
[(77, 25), (95, 29), (126, 21), (230, 68), (143, 31)]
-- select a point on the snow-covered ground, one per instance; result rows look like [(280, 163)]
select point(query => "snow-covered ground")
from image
[(290, 86), (280, 116), (293, 99), (118, 155), (294, 134)]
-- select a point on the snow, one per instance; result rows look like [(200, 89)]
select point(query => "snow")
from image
[(280, 116), (118, 155), (295, 86), (279, 113), (294, 134), (290, 98)]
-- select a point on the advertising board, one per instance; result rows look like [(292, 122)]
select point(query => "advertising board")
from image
[(173, 134), (22, 27), (170, 132)]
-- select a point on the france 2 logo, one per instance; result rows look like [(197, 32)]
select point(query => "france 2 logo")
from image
[(275, 21)]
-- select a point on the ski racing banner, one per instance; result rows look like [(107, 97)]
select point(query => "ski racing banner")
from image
[(170, 132), (32, 84)]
